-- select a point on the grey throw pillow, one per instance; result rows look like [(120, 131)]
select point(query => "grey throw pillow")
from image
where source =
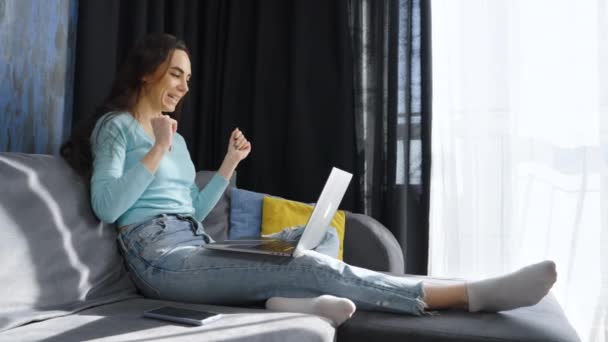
[(217, 223)]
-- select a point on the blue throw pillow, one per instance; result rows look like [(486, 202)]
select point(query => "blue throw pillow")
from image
[(245, 213)]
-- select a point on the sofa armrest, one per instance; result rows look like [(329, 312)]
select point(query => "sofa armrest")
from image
[(369, 244)]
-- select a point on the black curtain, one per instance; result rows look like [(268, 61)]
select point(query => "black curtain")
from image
[(392, 72), (279, 70)]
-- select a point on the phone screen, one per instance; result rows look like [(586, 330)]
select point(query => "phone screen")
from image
[(184, 313)]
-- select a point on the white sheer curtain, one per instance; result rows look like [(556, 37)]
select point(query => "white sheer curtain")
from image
[(520, 146)]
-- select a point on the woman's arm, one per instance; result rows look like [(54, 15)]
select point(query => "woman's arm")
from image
[(238, 149), (204, 200), (113, 189)]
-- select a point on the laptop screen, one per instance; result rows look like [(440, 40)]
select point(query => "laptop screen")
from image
[(325, 209)]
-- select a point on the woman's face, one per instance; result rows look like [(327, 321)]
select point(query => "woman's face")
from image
[(169, 83)]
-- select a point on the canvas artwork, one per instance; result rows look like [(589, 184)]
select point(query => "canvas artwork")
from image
[(37, 41)]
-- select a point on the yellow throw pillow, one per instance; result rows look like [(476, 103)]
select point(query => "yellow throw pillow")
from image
[(279, 213)]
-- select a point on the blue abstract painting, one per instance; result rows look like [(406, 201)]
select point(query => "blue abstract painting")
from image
[(37, 43)]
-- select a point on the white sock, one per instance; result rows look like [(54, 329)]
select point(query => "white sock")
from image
[(524, 287), (337, 309)]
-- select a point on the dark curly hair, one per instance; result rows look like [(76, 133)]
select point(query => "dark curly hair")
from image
[(145, 58)]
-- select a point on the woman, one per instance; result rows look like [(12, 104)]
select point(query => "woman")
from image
[(142, 179)]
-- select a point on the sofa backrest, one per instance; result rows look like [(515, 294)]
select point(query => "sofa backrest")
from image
[(56, 256)]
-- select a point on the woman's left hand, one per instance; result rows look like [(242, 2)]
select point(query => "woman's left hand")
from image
[(238, 146)]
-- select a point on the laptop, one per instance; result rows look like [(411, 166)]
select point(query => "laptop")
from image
[(314, 231)]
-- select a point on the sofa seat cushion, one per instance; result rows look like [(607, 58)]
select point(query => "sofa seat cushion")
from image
[(123, 321), (544, 321)]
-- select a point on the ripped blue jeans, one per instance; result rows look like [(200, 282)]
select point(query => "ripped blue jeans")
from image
[(167, 259)]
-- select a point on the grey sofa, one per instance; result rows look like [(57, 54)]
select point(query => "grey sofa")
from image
[(62, 279)]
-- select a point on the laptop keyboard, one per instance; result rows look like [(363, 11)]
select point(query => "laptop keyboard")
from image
[(277, 245)]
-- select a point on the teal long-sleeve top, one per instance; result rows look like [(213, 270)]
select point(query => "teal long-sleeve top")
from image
[(124, 191)]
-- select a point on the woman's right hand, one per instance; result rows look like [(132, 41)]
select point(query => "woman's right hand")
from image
[(164, 127)]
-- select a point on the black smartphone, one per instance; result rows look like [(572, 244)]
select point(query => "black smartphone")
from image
[(181, 315)]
